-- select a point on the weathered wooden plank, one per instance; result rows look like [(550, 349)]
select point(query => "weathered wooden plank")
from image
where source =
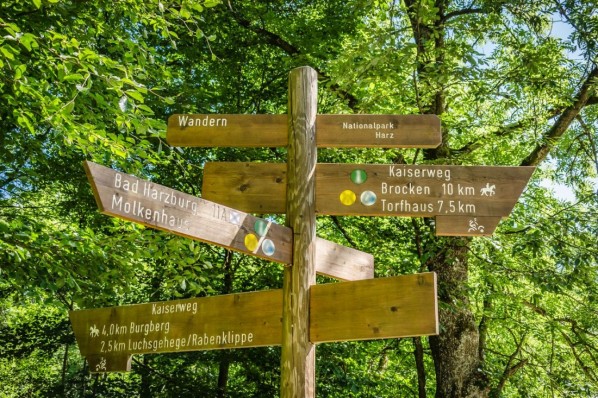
[(131, 198), (108, 336), (373, 309), (218, 224), (467, 200), (252, 187), (227, 130), (378, 308), (298, 354), (374, 131), (419, 190), (378, 131), (343, 262)]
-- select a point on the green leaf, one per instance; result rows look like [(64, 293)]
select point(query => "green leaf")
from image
[(6, 50), (73, 77), (136, 95), (29, 41), (37, 4), (146, 109), (211, 3), (24, 121), (20, 71)]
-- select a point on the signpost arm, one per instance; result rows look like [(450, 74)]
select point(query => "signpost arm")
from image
[(298, 353)]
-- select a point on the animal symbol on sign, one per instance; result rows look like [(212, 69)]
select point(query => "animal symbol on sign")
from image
[(94, 331), (488, 190)]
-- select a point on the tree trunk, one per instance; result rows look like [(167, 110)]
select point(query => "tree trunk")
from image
[(455, 350), (223, 375), (419, 364), (224, 365)]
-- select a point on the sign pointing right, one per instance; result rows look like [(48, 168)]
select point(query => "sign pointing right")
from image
[(466, 200)]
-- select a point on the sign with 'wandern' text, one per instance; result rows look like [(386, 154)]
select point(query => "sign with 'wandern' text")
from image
[(382, 131)]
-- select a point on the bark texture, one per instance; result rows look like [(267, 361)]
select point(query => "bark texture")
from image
[(455, 350)]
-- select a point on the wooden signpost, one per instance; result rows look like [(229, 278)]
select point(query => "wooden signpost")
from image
[(399, 306), (134, 199), (466, 200), (336, 131)]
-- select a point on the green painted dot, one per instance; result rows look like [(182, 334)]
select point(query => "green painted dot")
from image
[(261, 227), (359, 176)]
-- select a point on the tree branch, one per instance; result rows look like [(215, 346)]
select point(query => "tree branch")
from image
[(465, 11), (343, 231), (510, 370), (277, 41), (564, 121), (483, 326), (270, 37)]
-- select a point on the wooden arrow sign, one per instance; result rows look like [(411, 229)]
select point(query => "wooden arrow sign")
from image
[(371, 309), (131, 198), (134, 199), (467, 200), (108, 336), (382, 131)]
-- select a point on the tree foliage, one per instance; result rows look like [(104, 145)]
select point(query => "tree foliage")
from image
[(514, 83)]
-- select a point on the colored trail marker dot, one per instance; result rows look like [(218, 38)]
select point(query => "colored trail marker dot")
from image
[(261, 227), (368, 198), (359, 176), (251, 242), (268, 247), (235, 218), (348, 197)]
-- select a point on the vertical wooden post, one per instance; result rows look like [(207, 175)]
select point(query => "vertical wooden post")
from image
[(298, 359)]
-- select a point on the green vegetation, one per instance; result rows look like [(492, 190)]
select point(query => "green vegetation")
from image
[(514, 82)]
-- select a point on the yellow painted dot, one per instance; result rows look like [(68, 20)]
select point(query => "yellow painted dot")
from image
[(347, 197), (251, 242)]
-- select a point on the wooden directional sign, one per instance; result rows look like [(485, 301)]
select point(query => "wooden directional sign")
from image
[(341, 262), (467, 200), (384, 131), (227, 130), (401, 306), (134, 199), (108, 336), (157, 206), (371, 309)]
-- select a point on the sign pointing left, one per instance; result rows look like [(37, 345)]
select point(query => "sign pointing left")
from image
[(131, 198), (144, 202)]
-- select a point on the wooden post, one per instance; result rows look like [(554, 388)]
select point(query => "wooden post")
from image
[(298, 353)]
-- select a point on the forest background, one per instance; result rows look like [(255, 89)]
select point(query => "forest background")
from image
[(513, 81)]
